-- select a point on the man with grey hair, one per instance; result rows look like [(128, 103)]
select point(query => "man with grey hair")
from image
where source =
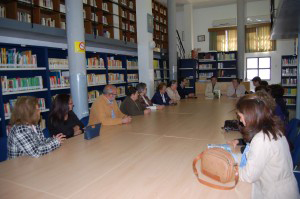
[(105, 109)]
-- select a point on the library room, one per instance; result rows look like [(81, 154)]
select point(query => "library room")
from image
[(148, 99)]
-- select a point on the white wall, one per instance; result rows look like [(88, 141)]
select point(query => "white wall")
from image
[(203, 18)]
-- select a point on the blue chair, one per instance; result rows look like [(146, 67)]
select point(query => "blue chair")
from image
[(46, 133), (292, 130), (3, 148), (85, 121)]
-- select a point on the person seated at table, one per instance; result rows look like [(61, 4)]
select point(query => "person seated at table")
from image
[(261, 88), (266, 162), (256, 81), (143, 98), (277, 92), (105, 109), (62, 119), (26, 137), (211, 87), (264, 83), (182, 91), (161, 97), (172, 91), (236, 89), (131, 106)]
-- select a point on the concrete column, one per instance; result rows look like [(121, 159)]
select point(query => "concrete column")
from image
[(241, 15), (144, 39), (172, 39), (76, 57), (298, 82), (188, 29)]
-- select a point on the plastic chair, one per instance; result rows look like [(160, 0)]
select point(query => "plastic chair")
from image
[(85, 121), (46, 133)]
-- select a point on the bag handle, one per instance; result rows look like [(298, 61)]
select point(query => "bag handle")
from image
[(236, 178)]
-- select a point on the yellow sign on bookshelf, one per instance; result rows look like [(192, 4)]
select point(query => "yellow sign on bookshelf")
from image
[(79, 46)]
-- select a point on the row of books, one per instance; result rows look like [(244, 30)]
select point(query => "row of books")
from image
[(155, 64), (96, 79), (125, 26), (162, 20), (48, 22), (120, 90), (59, 79), (205, 66), (132, 64), (289, 81), (2, 11), (17, 59), (114, 64), (104, 20), (94, 17), (206, 56), (289, 72), (21, 84), (290, 101), (206, 75), (221, 66), (46, 4), (131, 17), (293, 61), (95, 62), (161, 10), (132, 77), (92, 95), (24, 16), (8, 107), (222, 73), (115, 77), (157, 74), (226, 56), (58, 63), (124, 13), (290, 91)]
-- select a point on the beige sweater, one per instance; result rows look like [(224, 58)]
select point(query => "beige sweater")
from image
[(175, 97), (270, 168)]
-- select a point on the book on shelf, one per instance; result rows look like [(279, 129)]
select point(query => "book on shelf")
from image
[(131, 17), (292, 61), (93, 3), (131, 4), (206, 56), (16, 59), (96, 79), (206, 75), (290, 101), (105, 7), (157, 74), (84, 1), (63, 25), (289, 72), (46, 4), (121, 91), (115, 77), (92, 95), (155, 64), (42, 123), (8, 107), (226, 56), (290, 91), (58, 63), (24, 16), (48, 22), (95, 62), (94, 17), (205, 66), (124, 2), (114, 64), (289, 81), (132, 77), (21, 84), (62, 8), (132, 64), (84, 13), (59, 79), (2, 12)]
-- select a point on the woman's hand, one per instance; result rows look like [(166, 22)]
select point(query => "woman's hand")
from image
[(60, 137), (234, 143)]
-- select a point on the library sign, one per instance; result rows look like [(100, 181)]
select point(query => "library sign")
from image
[(79, 46)]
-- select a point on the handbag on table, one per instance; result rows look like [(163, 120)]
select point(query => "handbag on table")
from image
[(218, 164), (92, 131)]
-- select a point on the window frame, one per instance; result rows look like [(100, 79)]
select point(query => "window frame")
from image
[(258, 67)]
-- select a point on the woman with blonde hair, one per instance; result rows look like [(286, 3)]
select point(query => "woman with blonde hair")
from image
[(26, 137)]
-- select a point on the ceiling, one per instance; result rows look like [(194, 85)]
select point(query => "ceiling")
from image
[(203, 3)]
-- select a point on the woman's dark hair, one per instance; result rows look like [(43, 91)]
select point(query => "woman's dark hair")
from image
[(213, 77), (59, 109), (237, 79), (171, 83), (180, 80), (261, 88), (259, 116), (24, 111), (131, 91), (140, 87), (277, 92), (264, 83), (160, 86)]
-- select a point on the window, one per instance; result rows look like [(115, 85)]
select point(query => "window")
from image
[(257, 38), (259, 66)]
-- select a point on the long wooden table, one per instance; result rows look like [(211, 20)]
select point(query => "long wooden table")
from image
[(149, 158)]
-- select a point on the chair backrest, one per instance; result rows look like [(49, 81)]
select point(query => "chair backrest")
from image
[(85, 121), (46, 133), (296, 151), (292, 130)]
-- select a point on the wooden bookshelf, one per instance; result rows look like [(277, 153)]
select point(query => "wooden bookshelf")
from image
[(101, 17), (160, 19)]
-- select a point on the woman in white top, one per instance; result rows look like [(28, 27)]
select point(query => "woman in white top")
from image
[(268, 163), (172, 91), (236, 89)]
